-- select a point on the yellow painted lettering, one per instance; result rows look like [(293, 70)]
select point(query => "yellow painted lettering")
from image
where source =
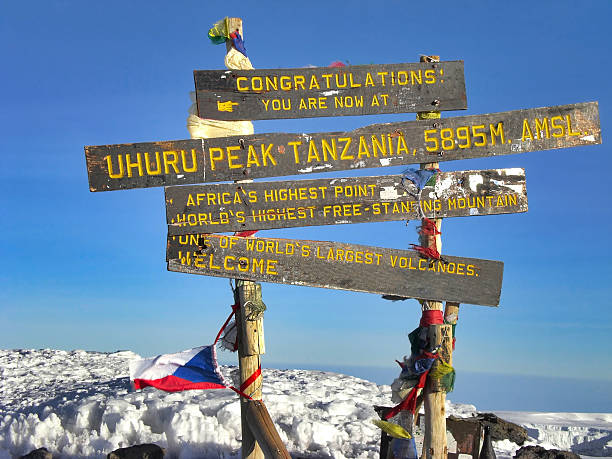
[(327, 77), (332, 150), (344, 83), (252, 157), (271, 83), (499, 130), (285, 83), (109, 167), (226, 266), (158, 167), (541, 127), (526, 131), (299, 81), (314, 83), (238, 85), (569, 127), (220, 154), (231, 157), (382, 77), (194, 164), (430, 76), (295, 150), (266, 154), (169, 162), (130, 165), (401, 145), (363, 148), (257, 83), (555, 126), (344, 154), (313, 153)]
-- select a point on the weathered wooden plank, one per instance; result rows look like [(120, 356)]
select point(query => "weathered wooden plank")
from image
[(113, 167), (337, 266), (218, 208), (324, 91)]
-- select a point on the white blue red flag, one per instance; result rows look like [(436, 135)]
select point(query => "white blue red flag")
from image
[(195, 368)]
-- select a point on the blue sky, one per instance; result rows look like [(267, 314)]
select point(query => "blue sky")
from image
[(87, 270)]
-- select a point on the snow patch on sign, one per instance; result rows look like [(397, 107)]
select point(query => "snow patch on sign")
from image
[(475, 180), (389, 192), (518, 189), (330, 93), (306, 170), (443, 184), (385, 161), (588, 138)]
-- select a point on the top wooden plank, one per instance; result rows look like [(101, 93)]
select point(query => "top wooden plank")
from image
[(326, 91)]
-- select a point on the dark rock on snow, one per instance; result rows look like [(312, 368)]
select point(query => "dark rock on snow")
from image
[(537, 452), (40, 453), (501, 430), (145, 451)]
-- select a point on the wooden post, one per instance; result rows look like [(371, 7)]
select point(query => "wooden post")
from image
[(264, 430), (249, 323), (249, 320), (434, 442), (255, 421)]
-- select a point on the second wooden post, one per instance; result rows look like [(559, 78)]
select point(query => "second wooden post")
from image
[(249, 320), (434, 398)]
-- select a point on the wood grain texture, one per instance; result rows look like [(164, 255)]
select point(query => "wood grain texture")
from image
[(251, 340), (379, 145), (338, 266), (264, 430), (324, 91), (218, 208)]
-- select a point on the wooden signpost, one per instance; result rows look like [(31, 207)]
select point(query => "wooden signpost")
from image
[(337, 265), (218, 208), (324, 91), (194, 212), (182, 162)]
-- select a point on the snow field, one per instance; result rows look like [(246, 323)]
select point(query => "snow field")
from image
[(80, 404)]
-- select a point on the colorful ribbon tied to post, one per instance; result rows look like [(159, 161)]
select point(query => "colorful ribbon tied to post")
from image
[(220, 33)]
